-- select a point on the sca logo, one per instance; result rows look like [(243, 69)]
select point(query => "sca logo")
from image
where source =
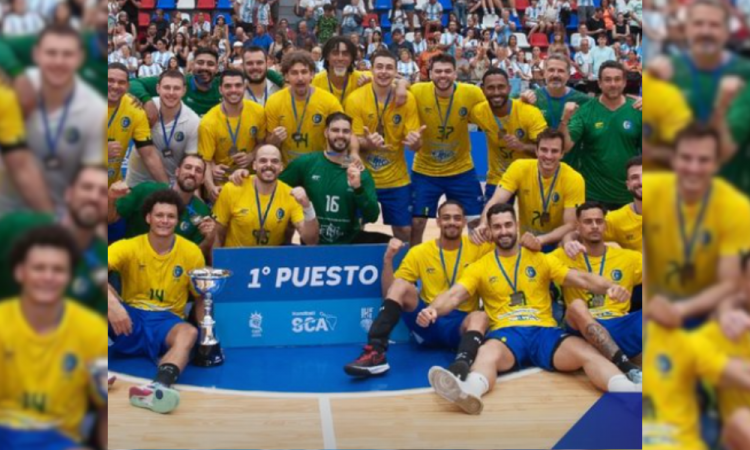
[(313, 322)]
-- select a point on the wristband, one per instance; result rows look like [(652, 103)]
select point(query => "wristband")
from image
[(309, 213)]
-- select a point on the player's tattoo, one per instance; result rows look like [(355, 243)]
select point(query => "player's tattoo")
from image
[(600, 339)]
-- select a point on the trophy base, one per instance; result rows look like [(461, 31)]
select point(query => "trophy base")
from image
[(208, 356)]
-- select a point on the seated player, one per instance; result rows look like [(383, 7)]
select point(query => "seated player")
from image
[(523, 331), (603, 322), (52, 350), (148, 320), (437, 264)]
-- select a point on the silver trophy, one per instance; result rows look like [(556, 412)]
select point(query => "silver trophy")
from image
[(208, 282)]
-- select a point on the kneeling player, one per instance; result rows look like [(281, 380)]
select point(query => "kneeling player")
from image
[(438, 264), (514, 285), (602, 321), (148, 319), (51, 349)]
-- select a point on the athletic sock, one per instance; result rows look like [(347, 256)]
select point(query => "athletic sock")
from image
[(623, 363), (476, 384), (620, 383), (469, 346), (380, 332), (167, 374)]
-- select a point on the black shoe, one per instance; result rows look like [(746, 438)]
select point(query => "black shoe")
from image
[(370, 362), (460, 368)]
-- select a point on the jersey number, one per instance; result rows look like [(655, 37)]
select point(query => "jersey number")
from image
[(157, 294), (300, 138), (332, 203), (445, 133), (36, 402)]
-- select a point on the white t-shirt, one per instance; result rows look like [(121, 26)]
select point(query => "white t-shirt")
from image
[(20, 25), (600, 56), (80, 142), (184, 142), (271, 88)]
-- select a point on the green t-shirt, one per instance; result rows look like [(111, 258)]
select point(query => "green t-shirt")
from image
[(86, 286), (552, 108), (337, 205), (737, 170), (609, 139), (129, 209), (700, 88), (144, 89), (16, 55)]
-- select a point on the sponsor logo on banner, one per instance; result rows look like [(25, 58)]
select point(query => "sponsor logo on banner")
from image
[(256, 325), (366, 319), (313, 322)]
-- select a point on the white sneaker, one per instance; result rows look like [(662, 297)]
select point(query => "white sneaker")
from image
[(156, 397), (449, 387), (110, 381)]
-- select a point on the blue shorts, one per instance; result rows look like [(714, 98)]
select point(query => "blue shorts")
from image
[(149, 334), (626, 331), (445, 332), (637, 299), (396, 205), (532, 346), (11, 439), (463, 188)]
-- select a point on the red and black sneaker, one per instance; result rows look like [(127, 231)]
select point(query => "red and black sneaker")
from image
[(370, 362)]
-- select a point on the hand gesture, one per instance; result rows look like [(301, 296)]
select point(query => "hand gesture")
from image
[(427, 317), (120, 320), (662, 311), (574, 248), (480, 234), (207, 228), (528, 97), (414, 138), (570, 109), (531, 242), (374, 140), (354, 176), (114, 150), (618, 293), (300, 196), (394, 246), (278, 135), (238, 177)]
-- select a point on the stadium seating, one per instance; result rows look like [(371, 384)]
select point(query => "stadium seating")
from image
[(573, 25), (521, 5), (523, 42), (166, 4), (447, 5), (148, 4), (143, 19), (227, 17), (385, 21), (185, 4), (224, 4), (539, 40), (382, 4), (206, 4)]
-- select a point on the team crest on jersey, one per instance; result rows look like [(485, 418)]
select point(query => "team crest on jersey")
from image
[(707, 238), (617, 275), (556, 197), (494, 280), (599, 125), (72, 135), (520, 134), (178, 271), (531, 272), (70, 362), (179, 136), (80, 286), (184, 226), (648, 131), (463, 112), (280, 213), (253, 131), (628, 125), (377, 162), (664, 364), (397, 119), (125, 122), (317, 119)]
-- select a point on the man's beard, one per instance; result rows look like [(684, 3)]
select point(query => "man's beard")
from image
[(84, 222), (513, 242), (182, 184), (635, 193), (332, 145)]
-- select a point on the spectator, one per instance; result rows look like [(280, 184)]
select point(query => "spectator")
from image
[(399, 43), (328, 24), (550, 14), (283, 27), (174, 27), (180, 48), (372, 27), (524, 71), (479, 64), (202, 27), (304, 35), (609, 14), (596, 24), (361, 63), (406, 66), (173, 64), (583, 33), (488, 44), (245, 10), (162, 24), (460, 10), (398, 17), (601, 54), (264, 12), (149, 68), (308, 19), (432, 15), (584, 62), (235, 59), (162, 55), (262, 38), (221, 30), (504, 28), (376, 42), (513, 45), (279, 41), (240, 36), (463, 66), (451, 39), (412, 20), (420, 45), (558, 44), (62, 15), (317, 54), (621, 27), (352, 18), (148, 43), (533, 17), (537, 67), (121, 36), (424, 59), (585, 10), (358, 43)]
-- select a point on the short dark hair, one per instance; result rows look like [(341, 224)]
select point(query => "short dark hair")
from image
[(590, 205), (118, 66), (443, 58), (383, 53), (297, 57), (550, 134), (333, 44), (164, 197), (634, 162), (336, 117), (55, 236), (83, 168), (253, 49), (230, 73), (449, 203), (62, 30), (172, 73), (611, 65), (206, 51), (495, 71), (191, 155), (501, 208), (697, 130), (718, 4)]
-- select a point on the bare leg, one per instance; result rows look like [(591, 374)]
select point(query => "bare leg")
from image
[(493, 357), (402, 233), (180, 342), (736, 435), (579, 317), (405, 294), (418, 225), (575, 354)]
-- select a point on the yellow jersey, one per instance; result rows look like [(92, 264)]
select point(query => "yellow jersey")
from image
[(446, 148), (625, 227), (127, 121), (730, 400), (154, 282), (12, 126), (424, 263), (620, 266), (342, 95), (530, 304), (304, 121), (674, 361), (665, 115), (237, 210), (387, 165), (46, 379), (522, 179), (216, 131), (723, 232), (525, 122)]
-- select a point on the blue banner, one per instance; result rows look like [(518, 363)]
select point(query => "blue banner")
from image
[(614, 422), (300, 295)]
